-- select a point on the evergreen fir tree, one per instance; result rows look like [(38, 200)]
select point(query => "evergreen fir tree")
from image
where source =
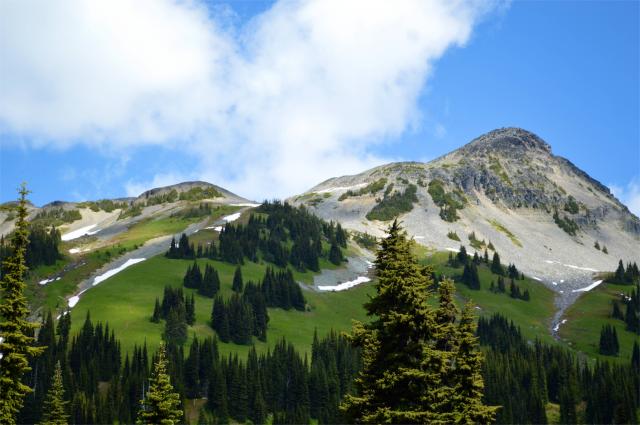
[(54, 410), (335, 254), (496, 267), (237, 280), (161, 405), (467, 380), (17, 345), (155, 318), (190, 310), (396, 384)]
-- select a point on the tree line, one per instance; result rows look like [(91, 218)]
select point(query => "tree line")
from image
[(523, 376), (277, 233)]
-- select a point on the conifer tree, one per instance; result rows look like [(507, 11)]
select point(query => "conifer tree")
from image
[(496, 267), (161, 405), (17, 344), (394, 385), (155, 318), (54, 410), (467, 379), (237, 280), (335, 254)]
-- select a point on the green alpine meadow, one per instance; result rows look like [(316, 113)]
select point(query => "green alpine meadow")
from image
[(310, 212)]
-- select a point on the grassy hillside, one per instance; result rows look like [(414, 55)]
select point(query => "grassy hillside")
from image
[(126, 302), (589, 313), (533, 317), (74, 269)]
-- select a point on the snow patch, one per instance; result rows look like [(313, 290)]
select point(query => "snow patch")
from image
[(45, 281), (580, 268), (335, 189), (536, 278), (555, 283), (216, 228), (246, 204), (588, 288), (418, 237), (73, 301), (79, 233), (557, 327), (453, 249), (112, 272), (232, 217), (346, 285)]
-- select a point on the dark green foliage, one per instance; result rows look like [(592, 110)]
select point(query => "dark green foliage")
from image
[(596, 245), (178, 312), (335, 254), (609, 345), (56, 217), (571, 206), (104, 204), (522, 377), (407, 374), (453, 236), (190, 310), (210, 282), (42, 248), (365, 240), (54, 408), (164, 198), (281, 290), (237, 280), (198, 193), (236, 320), (17, 346), (155, 318), (193, 277), (371, 188), (161, 405), (449, 202), (470, 276), (566, 224), (183, 249), (496, 266), (392, 205), (628, 276)]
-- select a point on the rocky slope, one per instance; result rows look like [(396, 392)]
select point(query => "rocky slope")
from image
[(107, 218), (538, 210)]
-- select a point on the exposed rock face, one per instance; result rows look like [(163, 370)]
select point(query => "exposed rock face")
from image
[(510, 183)]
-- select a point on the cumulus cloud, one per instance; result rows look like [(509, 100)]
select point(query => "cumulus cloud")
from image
[(299, 93), (629, 195)]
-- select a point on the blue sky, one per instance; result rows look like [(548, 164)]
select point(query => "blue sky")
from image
[(568, 71)]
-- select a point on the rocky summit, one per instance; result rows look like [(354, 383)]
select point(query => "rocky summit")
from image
[(504, 190)]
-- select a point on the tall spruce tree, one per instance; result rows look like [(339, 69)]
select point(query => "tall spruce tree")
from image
[(16, 345), (161, 405), (467, 381), (237, 280), (394, 385), (54, 410)]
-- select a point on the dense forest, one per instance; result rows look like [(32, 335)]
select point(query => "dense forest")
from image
[(277, 233)]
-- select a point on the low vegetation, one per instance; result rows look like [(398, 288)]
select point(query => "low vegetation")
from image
[(56, 217), (501, 228), (104, 204), (449, 202), (453, 236), (565, 223), (394, 204), (370, 189)]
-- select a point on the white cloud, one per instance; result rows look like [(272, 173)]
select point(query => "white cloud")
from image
[(296, 95), (628, 195)]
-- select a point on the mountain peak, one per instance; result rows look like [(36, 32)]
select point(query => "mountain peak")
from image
[(509, 140)]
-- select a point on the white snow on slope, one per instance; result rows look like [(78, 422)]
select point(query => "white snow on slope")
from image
[(246, 204), (79, 233), (232, 217), (335, 189), (346, 285), (588, 288), (571, 266), (557, 327), (45, 281), (107, 275), (73, 301)]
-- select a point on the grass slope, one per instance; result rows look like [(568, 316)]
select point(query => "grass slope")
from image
[(533, 317), (589, 313), (80, 267), (126, 302)]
